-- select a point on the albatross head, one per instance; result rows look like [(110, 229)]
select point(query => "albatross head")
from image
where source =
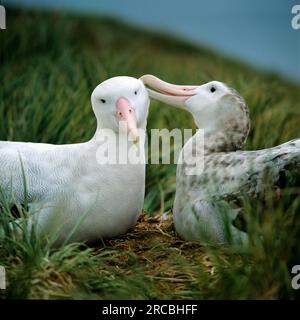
[(215, 107), (121, 103)]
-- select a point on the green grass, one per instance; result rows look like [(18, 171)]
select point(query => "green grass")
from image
[(50, 64)]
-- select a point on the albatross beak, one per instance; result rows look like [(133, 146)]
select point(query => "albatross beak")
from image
[(127, 118), (168, 93)]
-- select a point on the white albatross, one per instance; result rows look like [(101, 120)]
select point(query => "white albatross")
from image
[(206, 205), (68, 186)]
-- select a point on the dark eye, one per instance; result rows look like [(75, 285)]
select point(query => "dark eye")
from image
[(135, 92), (102, 100), (213, 89)]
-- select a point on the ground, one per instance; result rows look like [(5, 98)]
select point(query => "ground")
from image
[(50, 63)]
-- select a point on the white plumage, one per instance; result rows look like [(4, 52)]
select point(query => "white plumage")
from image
[(206, 205), (67, 185)]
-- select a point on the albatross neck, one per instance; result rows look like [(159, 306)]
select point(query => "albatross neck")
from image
[(223, 141), (98, 136)]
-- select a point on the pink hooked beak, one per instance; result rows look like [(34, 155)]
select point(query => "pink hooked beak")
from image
[(127, 117), (171, 94)]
